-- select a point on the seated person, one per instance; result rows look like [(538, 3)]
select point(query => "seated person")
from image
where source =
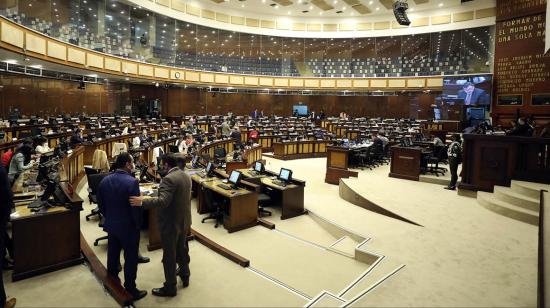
[(77, 138), (384, 139), (437, 142), (520, 129), (42, 146), (143, 137), (17, 163)]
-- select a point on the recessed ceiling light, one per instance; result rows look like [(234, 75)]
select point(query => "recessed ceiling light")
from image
[(441, 4), (377, 8), (370, 2)]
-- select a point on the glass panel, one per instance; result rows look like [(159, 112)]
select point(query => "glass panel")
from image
[(186, 44), (91, 29), (388, 54), (314, 57), (293, 56), (141, 22), (117, 28), (445, 54), (10, 9), (476, 50), (65, 20), (36, 14), (162, 40), (250, 53), (363, 54), (271, 55), (338, 58), (416, 55), (229, 51)]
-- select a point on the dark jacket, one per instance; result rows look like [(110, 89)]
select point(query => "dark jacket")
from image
[(173, 203), (479, 97), (6, 195), (113, 197), (455, 152)]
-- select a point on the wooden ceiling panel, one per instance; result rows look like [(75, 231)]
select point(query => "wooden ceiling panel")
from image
[(361, 9), (322, 4), (283, 2)]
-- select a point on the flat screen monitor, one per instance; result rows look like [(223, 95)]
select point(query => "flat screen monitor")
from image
[(301, 110), (235, 177), (209, 168), (259, 167), (285, 174), (469, 90)]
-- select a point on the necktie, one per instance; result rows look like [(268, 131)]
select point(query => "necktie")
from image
[(468, 98)]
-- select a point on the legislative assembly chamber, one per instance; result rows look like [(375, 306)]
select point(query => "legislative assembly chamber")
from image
[(274, 153)]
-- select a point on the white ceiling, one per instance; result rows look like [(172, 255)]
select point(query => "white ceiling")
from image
[(296, 8)]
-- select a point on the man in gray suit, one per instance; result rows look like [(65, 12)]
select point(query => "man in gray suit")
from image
[(173, 206)]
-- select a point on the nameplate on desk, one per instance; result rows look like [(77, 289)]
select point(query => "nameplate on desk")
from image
[(406, 157)]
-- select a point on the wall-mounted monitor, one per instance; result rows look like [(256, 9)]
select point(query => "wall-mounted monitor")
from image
[(300, 110)]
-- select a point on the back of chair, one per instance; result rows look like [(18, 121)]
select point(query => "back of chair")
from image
[(94, 180), (99, 161), (173, 149), (219, 153), (89, 171)]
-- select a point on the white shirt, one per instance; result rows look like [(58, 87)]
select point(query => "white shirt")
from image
[(44, 148), (136, 142)]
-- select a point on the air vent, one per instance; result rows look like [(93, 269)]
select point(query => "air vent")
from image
[(273, 4), (306, 11)]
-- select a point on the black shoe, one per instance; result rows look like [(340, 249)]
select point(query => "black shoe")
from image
[(184, 281), (138, 294), (449, 188), (142, 259), (163, 292)]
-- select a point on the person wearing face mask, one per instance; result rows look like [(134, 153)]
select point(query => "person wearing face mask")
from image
[(122, 221), (174, 221)]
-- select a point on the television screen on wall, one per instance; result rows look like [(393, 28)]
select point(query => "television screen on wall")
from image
[(301, 110), (468, 90)]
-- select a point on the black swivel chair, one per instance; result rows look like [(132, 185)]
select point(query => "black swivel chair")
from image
[(91, 190), (438, 156), (263, 201), (93, 183), (217, 205), (173, 149), (219, 155)]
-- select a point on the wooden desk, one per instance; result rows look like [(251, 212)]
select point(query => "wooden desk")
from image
[(209, 149), (490, 160), (242, 209), (197, 188), (300, 149), (45, 242), (337, 165), (290, 198), (73, 166), (405, 162)]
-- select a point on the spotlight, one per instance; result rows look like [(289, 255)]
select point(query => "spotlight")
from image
[(400, 11)]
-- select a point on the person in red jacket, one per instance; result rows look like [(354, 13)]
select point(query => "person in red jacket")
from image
[(6, 158)]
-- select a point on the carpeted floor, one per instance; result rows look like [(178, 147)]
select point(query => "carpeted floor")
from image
[(464, 255)]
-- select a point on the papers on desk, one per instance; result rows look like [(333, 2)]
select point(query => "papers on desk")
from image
[(14, 215), (191, 172), (146, 191)]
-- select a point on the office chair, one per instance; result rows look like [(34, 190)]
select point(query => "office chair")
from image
[(438, 156), (219, 155), (173, 149), (263, 201), (91, 195), (218, 205)]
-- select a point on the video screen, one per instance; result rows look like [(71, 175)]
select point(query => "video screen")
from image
[(473, 90), (460, 91), (285, 174), (301, 110), (234, 177)]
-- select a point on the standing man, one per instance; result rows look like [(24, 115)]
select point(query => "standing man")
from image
[(455, 158), (6, 205), (122, 221), (173, 206), (226, 129)]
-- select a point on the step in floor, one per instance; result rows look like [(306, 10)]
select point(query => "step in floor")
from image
[(489, 201)]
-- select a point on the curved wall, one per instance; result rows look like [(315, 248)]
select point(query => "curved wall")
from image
[(132, 32)]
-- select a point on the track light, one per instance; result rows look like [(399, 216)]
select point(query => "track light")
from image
[(400, 11)]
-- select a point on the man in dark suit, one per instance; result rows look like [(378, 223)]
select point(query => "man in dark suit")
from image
[(77, 138), (122, 221), (173, 206), (6, 205), (472, 95)]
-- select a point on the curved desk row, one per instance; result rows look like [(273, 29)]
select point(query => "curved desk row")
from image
[(300, 149)]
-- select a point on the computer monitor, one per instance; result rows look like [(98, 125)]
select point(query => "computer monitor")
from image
[(235, 177), (259, 167), (285, 175), (209, 168)]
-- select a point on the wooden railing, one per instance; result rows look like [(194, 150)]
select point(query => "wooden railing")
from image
[(490, 160)]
